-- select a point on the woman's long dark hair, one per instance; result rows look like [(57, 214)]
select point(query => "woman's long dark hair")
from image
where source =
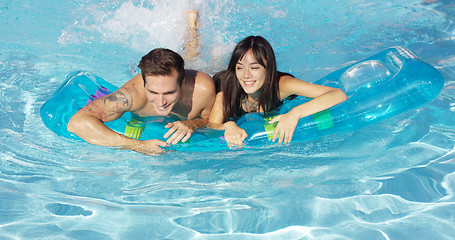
[(233, 92)]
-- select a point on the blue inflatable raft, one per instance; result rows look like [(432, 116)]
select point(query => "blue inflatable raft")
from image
[(379, 87)]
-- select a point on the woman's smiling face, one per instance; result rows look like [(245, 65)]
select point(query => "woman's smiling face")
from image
[(250, 73)]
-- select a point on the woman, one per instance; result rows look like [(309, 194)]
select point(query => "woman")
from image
[(252, 84)]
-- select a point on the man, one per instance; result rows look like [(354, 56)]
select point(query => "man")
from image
[(164, 88)]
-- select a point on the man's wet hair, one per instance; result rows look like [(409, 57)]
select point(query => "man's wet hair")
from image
[(161, 62)]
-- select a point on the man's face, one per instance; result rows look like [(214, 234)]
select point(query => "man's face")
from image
[(163, 92)]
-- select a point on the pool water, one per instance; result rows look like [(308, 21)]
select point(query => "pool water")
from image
[(392, 180)]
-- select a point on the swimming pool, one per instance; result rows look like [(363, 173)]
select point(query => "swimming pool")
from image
[(392, 180)]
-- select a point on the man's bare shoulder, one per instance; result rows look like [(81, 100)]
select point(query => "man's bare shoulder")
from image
[(136, 90), (204, 83), (204, 94), (137, 79)]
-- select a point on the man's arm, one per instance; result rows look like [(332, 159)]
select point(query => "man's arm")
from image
[(202, 102), (204, 94), (88, 123), (182, 130)]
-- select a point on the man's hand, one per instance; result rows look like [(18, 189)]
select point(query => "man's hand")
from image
[(179, 130), (149, 147)]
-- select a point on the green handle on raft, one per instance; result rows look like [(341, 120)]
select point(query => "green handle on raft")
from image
[(323, 120)]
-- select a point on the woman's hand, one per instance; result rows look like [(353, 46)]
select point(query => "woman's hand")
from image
[(285, 128), (234, 135)]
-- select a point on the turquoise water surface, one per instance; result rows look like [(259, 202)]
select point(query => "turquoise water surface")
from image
[(392, 180)]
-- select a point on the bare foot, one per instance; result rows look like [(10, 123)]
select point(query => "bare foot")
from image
[(192, 18), (191, 47)]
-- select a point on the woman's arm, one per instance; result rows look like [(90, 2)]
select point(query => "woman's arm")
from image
[(216, 118), (233, 134), (323, 97)]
